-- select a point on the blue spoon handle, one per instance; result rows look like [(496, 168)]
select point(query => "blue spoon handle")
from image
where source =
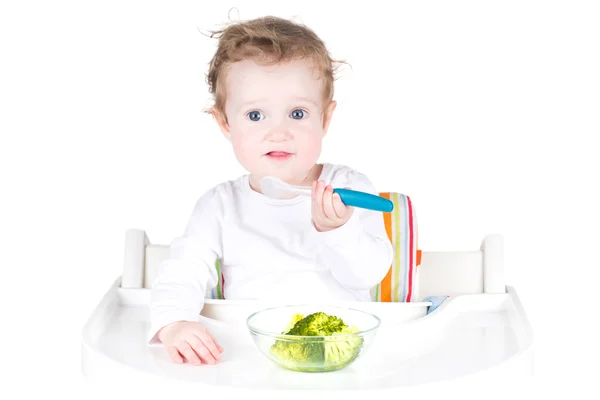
[(364, 200)]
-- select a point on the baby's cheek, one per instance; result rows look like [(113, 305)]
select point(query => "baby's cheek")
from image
[(245, 151), (312, 145)]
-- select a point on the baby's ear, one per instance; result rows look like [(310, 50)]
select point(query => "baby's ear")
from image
[(222, 122), (327, 114)]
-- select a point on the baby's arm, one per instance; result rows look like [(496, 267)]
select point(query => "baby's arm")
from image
[(358, 252), (178, 291)]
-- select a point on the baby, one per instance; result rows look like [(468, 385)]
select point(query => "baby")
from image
[(272, 82)]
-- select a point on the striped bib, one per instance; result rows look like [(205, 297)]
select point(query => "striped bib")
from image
[(399, 285)]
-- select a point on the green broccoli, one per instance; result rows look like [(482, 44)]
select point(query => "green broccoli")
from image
[(298, 354), (322, 353), (295, 318), (342, 350), (317, 324)]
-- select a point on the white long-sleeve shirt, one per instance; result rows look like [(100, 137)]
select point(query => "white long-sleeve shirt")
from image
[(269, 249)]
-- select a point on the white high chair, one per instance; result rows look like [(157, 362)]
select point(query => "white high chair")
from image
[(478, 332)]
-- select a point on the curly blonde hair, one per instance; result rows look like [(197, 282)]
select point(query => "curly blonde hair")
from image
[(267, 40)]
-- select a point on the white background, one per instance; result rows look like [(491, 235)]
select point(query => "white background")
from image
[(485, 113)]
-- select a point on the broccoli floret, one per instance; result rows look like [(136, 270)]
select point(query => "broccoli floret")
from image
[(327, 353), (299, 352), (340, 351), (317, 324), (295, 318)]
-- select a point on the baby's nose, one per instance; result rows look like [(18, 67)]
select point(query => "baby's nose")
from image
[(278, 134)]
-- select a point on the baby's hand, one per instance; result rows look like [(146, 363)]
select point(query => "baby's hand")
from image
[(328, 211), (187, 340)]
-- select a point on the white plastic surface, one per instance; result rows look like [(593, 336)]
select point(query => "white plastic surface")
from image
[(480, 333), (492, 250), (468, 336), (136, 242)]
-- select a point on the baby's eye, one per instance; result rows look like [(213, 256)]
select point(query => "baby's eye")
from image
[(255, 115), (298, 114)]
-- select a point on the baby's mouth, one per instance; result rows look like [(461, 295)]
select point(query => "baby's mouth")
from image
[(278, 155)]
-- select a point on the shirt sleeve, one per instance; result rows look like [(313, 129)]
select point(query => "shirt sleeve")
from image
[(179, 289), (358, 253)]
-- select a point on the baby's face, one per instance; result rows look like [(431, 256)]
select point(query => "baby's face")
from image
[(275, 120)]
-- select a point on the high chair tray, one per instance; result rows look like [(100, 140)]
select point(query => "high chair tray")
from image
[(468, 337)]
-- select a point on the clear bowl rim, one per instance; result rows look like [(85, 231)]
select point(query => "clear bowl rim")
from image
[(284, 336)]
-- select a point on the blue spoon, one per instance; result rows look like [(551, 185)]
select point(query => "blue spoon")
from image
[(276, 188)]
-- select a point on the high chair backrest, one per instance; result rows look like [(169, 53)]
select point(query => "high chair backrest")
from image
[(413, 274)]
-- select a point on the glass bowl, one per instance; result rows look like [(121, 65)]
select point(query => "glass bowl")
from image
[(313, 352)]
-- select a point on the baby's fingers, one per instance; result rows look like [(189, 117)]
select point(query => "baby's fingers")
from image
[(174, 354), (187, 351), (328, 203), (339, 206), (201, 349), (317, 197), (211, 345)]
